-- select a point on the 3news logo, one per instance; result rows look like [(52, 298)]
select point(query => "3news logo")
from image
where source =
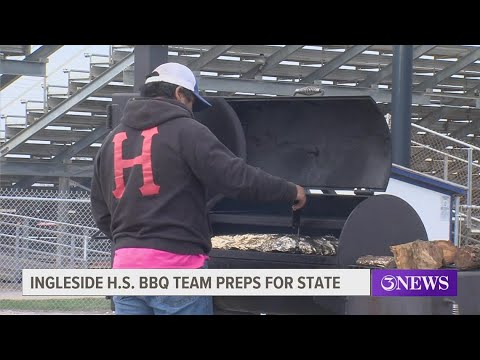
[(414, 282)]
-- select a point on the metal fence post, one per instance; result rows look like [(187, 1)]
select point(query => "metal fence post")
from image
[(85, 248), (62, 217), (445, 168), (24, 237), (17, 240), (18, 266), (456, 233), (45, 94), (72, 251), (469, 190)]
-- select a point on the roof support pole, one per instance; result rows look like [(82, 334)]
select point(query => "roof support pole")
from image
[(402, 104)]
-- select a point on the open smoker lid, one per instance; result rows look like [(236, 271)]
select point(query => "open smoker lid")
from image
[(336, 142)]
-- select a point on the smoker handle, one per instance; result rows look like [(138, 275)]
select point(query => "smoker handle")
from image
[(296, 214), (329, 191), (308, 191)]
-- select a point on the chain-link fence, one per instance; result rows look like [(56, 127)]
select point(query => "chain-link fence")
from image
[(453, 160), (48, 230)]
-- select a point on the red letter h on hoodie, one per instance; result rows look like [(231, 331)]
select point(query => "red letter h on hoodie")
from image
[(144, 160)]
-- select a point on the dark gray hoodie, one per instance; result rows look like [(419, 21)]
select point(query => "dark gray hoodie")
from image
[(151, 176)]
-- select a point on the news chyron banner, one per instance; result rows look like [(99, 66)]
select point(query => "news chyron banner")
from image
[(214, 282), (237, 282)]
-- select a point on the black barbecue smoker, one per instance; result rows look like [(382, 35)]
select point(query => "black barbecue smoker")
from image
[(328, 145), (339, 148)]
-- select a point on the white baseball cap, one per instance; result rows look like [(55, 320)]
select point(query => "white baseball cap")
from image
[(178, 74)]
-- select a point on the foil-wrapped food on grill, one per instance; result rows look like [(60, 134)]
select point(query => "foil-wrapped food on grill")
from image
[(293, 244), (385, 262)]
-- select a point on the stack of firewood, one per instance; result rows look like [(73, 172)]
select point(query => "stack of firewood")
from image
[(421, 254)]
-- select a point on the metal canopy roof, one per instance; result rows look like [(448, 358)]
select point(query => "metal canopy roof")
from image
[(446, 82)]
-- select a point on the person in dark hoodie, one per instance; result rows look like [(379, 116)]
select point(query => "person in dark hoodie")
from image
[(149, 187)]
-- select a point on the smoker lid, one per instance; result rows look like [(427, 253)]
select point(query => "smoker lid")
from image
[(223, 121), (336, 142)]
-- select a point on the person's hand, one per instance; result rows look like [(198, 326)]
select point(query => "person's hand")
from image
[(301, 199)]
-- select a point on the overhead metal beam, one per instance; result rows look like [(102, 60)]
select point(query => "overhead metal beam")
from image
[(375, 78), (208, 56), (81, 144), (15, 50), (272, 61), (23, 68), (475, 141), (50, 150), (79, 185), (449, 71), (66, 105), (439, 112), (288, 89), (69, 153), (334, 64), (41, 53), (42, 169), (473, 127), (50, 135), (432, 117)]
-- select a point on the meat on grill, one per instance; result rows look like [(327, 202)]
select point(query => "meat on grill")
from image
[(386, 262), (310, 245)]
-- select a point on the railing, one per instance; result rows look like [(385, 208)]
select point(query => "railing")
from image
[(469, 237), (454, 160)]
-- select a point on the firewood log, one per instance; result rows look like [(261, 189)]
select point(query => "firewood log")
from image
[(417, 254), (468, 257), (449, 250)]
